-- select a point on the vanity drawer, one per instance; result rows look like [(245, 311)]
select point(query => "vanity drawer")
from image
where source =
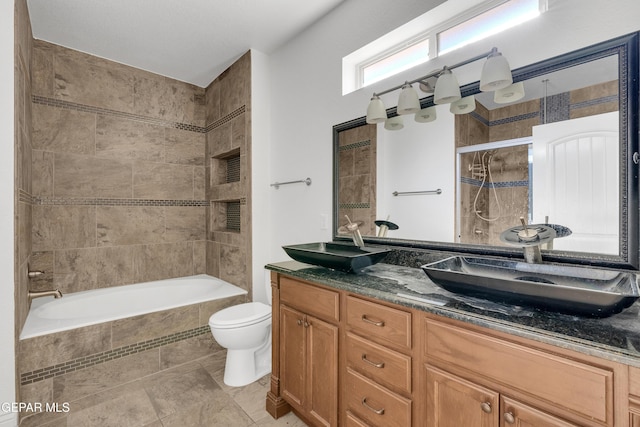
[(385, 366), (374, 404), (379, 322), (322, 303), (353, 421), (584, 389)]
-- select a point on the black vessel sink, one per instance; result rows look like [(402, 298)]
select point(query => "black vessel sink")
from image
[(579, 290), (336, 256)]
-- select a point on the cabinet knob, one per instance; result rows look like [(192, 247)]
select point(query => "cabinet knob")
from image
[(299, 322), (509, 418), (374, 410), (307, 323), (366, 360), (372, 322), (486, 407)]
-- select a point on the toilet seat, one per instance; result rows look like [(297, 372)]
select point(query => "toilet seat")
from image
[(240, 315)]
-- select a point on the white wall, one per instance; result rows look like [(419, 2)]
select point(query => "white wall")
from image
[(7, 338), (306, 89), (419, 157), (260, 153)]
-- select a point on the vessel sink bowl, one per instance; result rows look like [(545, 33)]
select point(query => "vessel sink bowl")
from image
[(582, 290), (336, 256)]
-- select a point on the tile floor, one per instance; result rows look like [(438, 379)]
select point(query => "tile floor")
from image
[(190, 395)]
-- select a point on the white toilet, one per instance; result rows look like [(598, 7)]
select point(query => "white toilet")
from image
[(245, 331)]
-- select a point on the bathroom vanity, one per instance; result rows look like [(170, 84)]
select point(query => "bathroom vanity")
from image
[(387, 347)]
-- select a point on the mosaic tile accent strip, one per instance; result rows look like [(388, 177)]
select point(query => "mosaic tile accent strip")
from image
[(42, 200), (113, 113), (98, 358), (354, 206), (557, 108), (592, 102), (355, 145), (233, 216), (233, 169), (226, 119), (505, 184)]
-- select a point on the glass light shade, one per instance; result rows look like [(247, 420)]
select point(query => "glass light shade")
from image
[(511, 93), (447, 88), (426, 115), (464, 105), (376, 112), (408, 102), (394, 123), (496, 73)]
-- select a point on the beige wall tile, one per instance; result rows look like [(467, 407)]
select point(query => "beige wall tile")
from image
[(74, 270), (120, 138), (233, 268), (60, 227), (185, 223), (42, 176), (199, 182), (164, 98), (88, 80), (129, 225), (24, 226), (114, 266), (63, 130), (47, 350), (41, 261), (153, 325), (185, 147), (162, 181), (84, 176), (162, 261), (42, 74), (200, 257), (235, 85), (213, 258)]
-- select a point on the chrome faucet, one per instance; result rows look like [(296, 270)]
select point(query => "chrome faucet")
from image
[(37, 294)]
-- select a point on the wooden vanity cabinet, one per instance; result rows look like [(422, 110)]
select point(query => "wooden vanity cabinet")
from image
[(308, 351), (341, 359)]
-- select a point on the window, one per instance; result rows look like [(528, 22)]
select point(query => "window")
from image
[(410, 45), (493, 21)]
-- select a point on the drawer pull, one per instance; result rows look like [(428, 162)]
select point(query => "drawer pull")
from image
[(366, 405), (373, 322), (486, 407), (509, 418), (377, 365)]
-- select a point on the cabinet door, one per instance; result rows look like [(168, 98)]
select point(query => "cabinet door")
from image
[(518, 414), (322, 388), (455, 402), (292, 356)]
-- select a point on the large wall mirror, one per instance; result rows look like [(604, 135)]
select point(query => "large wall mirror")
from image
[(565, 154)]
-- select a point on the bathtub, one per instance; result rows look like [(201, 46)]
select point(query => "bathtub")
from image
[(48, 315)]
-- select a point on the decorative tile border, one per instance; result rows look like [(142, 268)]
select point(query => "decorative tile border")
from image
[(25, 197), (505, 184), (226, 119), (354, 206), (117, 353), (44, 200), (353, 145), (113, 113), (592, 102)]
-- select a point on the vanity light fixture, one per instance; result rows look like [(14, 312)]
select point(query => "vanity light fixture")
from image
[(511, 93), (464, 105), (496, 75), (394, 123)]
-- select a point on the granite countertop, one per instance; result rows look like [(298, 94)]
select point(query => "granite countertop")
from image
[(614, 338)]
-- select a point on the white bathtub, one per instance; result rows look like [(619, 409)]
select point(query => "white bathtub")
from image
[(48, 315)]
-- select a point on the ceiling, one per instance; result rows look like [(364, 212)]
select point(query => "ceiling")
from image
[(188, 40)]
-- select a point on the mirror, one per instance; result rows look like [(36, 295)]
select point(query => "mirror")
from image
[(562, 154)]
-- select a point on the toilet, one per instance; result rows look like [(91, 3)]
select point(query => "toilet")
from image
[(245, 331)]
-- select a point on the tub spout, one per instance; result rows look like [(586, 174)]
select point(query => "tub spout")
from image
[(36, 294)]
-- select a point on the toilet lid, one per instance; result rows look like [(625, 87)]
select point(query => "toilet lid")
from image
[(242, 314)]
